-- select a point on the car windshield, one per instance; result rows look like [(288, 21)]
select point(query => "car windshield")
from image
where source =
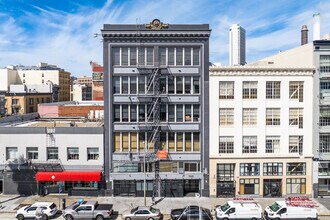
[(153, 210), (27, 207), (225, 207), (52, 206), (274, 207), (75, 206), (134, 210)]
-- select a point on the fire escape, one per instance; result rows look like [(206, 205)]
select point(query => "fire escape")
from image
[(51, 164)]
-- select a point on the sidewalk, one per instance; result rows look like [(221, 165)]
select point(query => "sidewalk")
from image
[(121, 204)]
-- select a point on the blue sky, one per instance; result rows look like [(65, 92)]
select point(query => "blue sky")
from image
[(61, 31)]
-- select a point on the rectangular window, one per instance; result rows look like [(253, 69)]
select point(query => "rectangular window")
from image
[(150, 142), (125, 141), (170, 84), (187, 84), (170, 60), (133, 139), (250, 116), (124, 56), (162, 84), (296, 90), (31, 101), (163, 112), (187, 117), (171, 143), (179, 85), (249, 169), (324, 116), (225, 172), (250, 90), (249, 144), (226, 145), (187, 138), (171, 113), (116, 56), (73, 153), (226, 90), (226, 116), (295, 169), (296, 116), (142, 113), (93, 153), (124, 84), (191, 167), (142, 141), (117, 142), (32, 153), (273, 116), (273, 169), (324, 63), (179, 141), (141, 55), (132, 56), (133, 113), (133, 85), (196, 113), (324, 143), (249, 186), (195, 85), (116, 113), (142, 84), (187, 56), (116, 84), (296, 144), (272, 144), (273, 90), (324, 168), (124, 112), (162, 56), (11, 153), (150, 56), (196, 142), (296, 186), (163, 144), (179, 113), (52, 153), (196, 56), (179, 56)]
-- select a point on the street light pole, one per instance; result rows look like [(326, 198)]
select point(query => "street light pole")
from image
[(145, 177)]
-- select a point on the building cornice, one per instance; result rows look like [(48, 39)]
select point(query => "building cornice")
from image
[(261, 71), (156, 34)]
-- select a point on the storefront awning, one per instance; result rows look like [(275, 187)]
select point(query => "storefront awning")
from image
[(69, 176)]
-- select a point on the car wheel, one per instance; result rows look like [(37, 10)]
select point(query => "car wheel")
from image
[(226, 219), (20, 217), (68, 217), (277, 219), (128, 218), (99, 217), (150, 219), (308, 218), (253, 219), (44, 217)]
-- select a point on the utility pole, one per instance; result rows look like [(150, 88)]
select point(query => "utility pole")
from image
[(145, 176)]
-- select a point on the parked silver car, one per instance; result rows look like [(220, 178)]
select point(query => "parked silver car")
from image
[(143, 213)]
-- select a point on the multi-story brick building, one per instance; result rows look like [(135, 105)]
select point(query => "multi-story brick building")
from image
[(156, 98)]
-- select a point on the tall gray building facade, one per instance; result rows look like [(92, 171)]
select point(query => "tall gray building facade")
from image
[(156, 88)]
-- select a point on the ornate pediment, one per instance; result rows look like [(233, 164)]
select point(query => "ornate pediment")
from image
[(156, 24)]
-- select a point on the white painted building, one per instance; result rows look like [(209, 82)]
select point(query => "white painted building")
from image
[(261, 138), (33, 146), (237, 45)]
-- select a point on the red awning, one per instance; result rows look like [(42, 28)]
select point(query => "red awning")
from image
[(68, 176)]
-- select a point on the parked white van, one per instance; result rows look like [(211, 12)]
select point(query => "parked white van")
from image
[(284, 210), (239, 210)]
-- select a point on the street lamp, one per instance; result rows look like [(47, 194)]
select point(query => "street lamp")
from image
[(145, 175)]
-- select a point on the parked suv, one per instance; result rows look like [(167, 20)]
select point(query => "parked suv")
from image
[(49, 209)]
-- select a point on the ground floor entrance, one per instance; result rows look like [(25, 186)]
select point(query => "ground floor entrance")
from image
[(168, 188), (226, 189), (272, 187), (324, 187), (1, 186)]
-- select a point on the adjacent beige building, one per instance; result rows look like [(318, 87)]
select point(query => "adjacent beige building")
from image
[(261, 138)]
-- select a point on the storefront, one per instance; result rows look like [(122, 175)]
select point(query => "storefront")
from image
[(74, 183)]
